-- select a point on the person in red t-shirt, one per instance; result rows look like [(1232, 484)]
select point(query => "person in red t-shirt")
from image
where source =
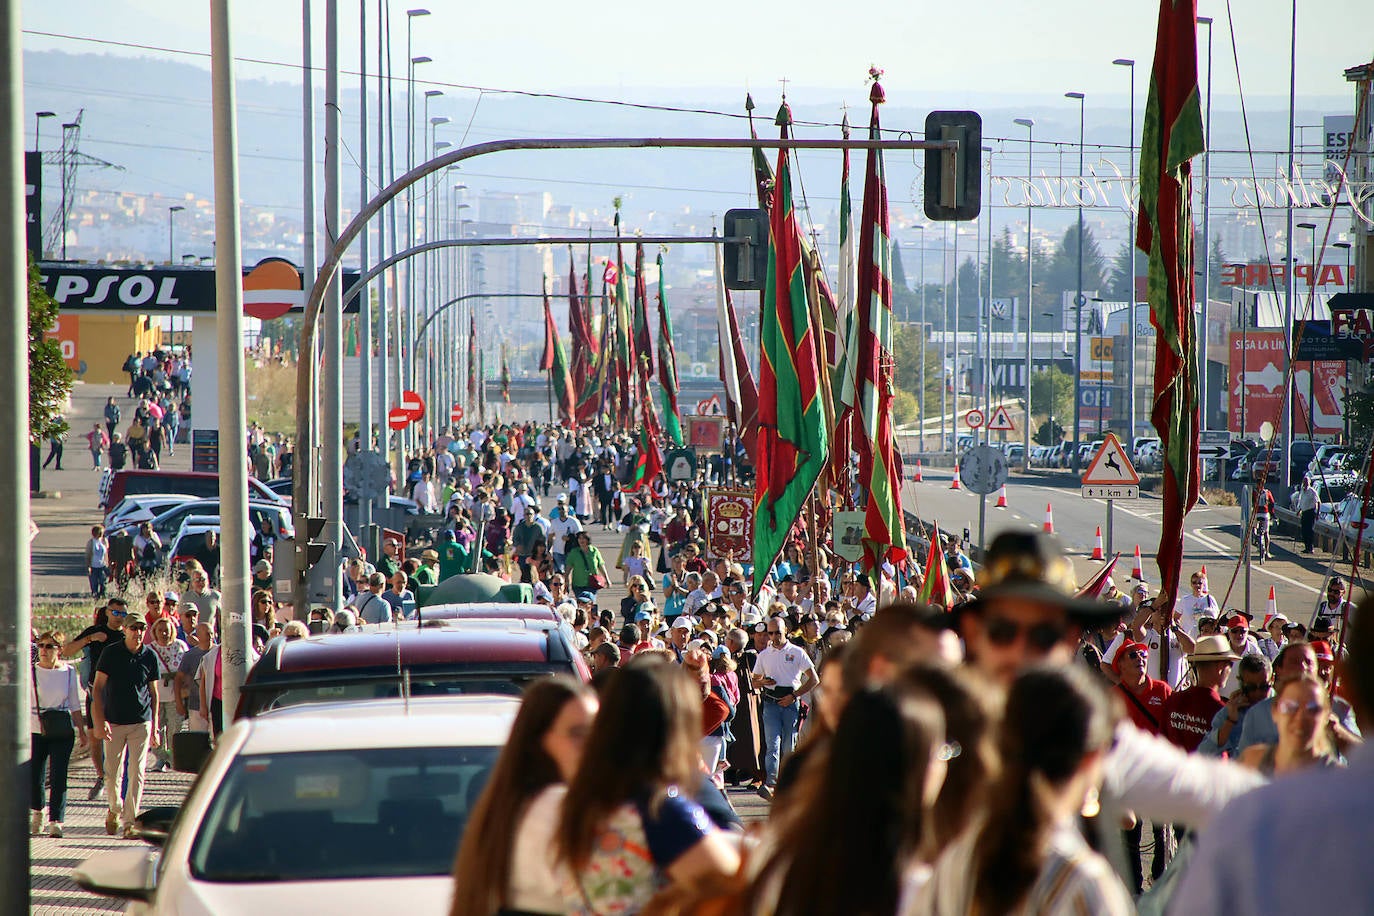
[(1143, 696), (1145, 700), (1188, 713)]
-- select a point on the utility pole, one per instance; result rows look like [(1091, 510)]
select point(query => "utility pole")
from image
[(1078, 303), (365, 301), (235, 619), (330, 433), (1029, 125), (14, 482)]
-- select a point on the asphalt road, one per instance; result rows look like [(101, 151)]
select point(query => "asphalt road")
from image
[(1211, 539)]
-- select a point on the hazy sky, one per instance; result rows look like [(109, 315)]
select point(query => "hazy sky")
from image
[(1028, 49)]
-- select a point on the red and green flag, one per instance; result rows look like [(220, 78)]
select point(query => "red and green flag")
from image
[(585, 348), (792, 439), (649, 462), (846, 340), (472, 360), (667, 363), (644, 347), (1170, 138), (624, 340), (505, 374), (936, 587), (741, 390), (555, 362), (879, 476)]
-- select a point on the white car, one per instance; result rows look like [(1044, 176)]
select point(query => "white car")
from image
[(142, 508), (339, 808)]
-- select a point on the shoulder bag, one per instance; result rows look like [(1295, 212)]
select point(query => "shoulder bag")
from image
[(53, 724)]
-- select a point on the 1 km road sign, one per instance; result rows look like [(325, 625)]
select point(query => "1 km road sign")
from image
[(1110, 475)]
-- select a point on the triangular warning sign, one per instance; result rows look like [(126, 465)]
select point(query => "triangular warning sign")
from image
[(1001, 421), (1110, 466)]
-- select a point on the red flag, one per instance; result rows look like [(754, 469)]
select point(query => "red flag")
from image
[(550, 332), (1171, 137)]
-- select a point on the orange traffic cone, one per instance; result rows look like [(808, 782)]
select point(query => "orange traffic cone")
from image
[(1137, 571), (1049, 519), (954, 485), (917, 478), (1001, 498), (1098, 553), (1271, 607)]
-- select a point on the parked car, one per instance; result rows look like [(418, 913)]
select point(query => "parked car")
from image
[(438, 660), (168, 522), (1015, 452), (1346, 516), (347, 808), (119, 484), (135, 509), (189, 541), (1327, 460)]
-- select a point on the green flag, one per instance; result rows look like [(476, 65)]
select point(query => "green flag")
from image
[(667, 363), (792, 440)]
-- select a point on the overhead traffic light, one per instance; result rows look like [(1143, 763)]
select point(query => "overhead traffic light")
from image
[(953, 181), (746, 249)]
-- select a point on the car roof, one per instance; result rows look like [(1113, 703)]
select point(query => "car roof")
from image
[(488, 610), (470, 720), (411, 647)]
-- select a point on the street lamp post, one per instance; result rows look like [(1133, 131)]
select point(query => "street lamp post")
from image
[(1286, 414), (921, 403), (38, 117), (1311, 308), (171, 232), (944, 335), (411, 309), (1079, 299), (1130, 293), (1029, 125), (1206, 223)]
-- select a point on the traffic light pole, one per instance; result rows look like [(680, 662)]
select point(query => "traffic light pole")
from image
[(305, 368)]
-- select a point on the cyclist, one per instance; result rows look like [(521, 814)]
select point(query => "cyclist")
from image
[(1263, 511)]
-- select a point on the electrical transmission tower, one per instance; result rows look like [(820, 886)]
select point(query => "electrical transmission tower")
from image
[(68, 158)]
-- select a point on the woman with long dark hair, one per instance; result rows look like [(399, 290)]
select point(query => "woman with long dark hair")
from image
[(859, 811), (503, 863), (1027, 855), (630, 827)]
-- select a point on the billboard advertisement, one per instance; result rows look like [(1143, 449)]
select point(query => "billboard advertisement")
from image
[(1257, 359)]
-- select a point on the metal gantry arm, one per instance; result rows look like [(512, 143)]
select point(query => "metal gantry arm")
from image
[(305, 369)]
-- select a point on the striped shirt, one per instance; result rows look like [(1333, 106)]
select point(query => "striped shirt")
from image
[(1073, 881)]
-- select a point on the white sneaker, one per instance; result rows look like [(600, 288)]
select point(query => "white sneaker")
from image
[(35, 823), (55, 829)]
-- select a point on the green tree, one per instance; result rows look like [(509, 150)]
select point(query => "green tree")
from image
[(1062, 273), (906, 303), (1119, 286), (1214, 287), (1052, 395), (50, 379), (907, 343)]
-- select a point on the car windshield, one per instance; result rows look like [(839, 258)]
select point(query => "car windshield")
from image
[(320, 815), (265, 697)]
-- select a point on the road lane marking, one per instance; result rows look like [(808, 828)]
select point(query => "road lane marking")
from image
[(1198, 536)]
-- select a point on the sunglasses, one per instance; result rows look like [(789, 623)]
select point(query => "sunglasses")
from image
[(1138, 653), (1041, 636), (132, 626), (1288, 707), (48, 645), (1255, 688), (113, 613)]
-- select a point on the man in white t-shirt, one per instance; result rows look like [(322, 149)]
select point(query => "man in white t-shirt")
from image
[(783, 673), (562, 523), (1199, 604), (1146, 628)]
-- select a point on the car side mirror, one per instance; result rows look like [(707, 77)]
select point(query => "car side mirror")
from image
[(127, 874), (154, 824)]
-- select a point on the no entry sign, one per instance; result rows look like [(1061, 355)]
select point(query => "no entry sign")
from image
[(456, 414), (413, 405), (398, 418)]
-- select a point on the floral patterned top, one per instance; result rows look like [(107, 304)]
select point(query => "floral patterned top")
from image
[(636, 846)]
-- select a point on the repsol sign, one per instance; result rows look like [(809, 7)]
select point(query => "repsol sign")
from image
[(159, 290)]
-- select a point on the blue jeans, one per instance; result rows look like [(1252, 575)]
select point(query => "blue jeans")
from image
[(54, 754), (779, 735)]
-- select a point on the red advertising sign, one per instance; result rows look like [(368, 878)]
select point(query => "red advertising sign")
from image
[(1257, 358), (1324, 382), (729, 523), (1260, 364), (67, 333), (1264, 276)]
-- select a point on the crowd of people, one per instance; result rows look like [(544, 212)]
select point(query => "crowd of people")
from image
[(1011, 747)]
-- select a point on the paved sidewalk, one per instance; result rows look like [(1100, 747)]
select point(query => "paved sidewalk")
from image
[(52, 861)]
